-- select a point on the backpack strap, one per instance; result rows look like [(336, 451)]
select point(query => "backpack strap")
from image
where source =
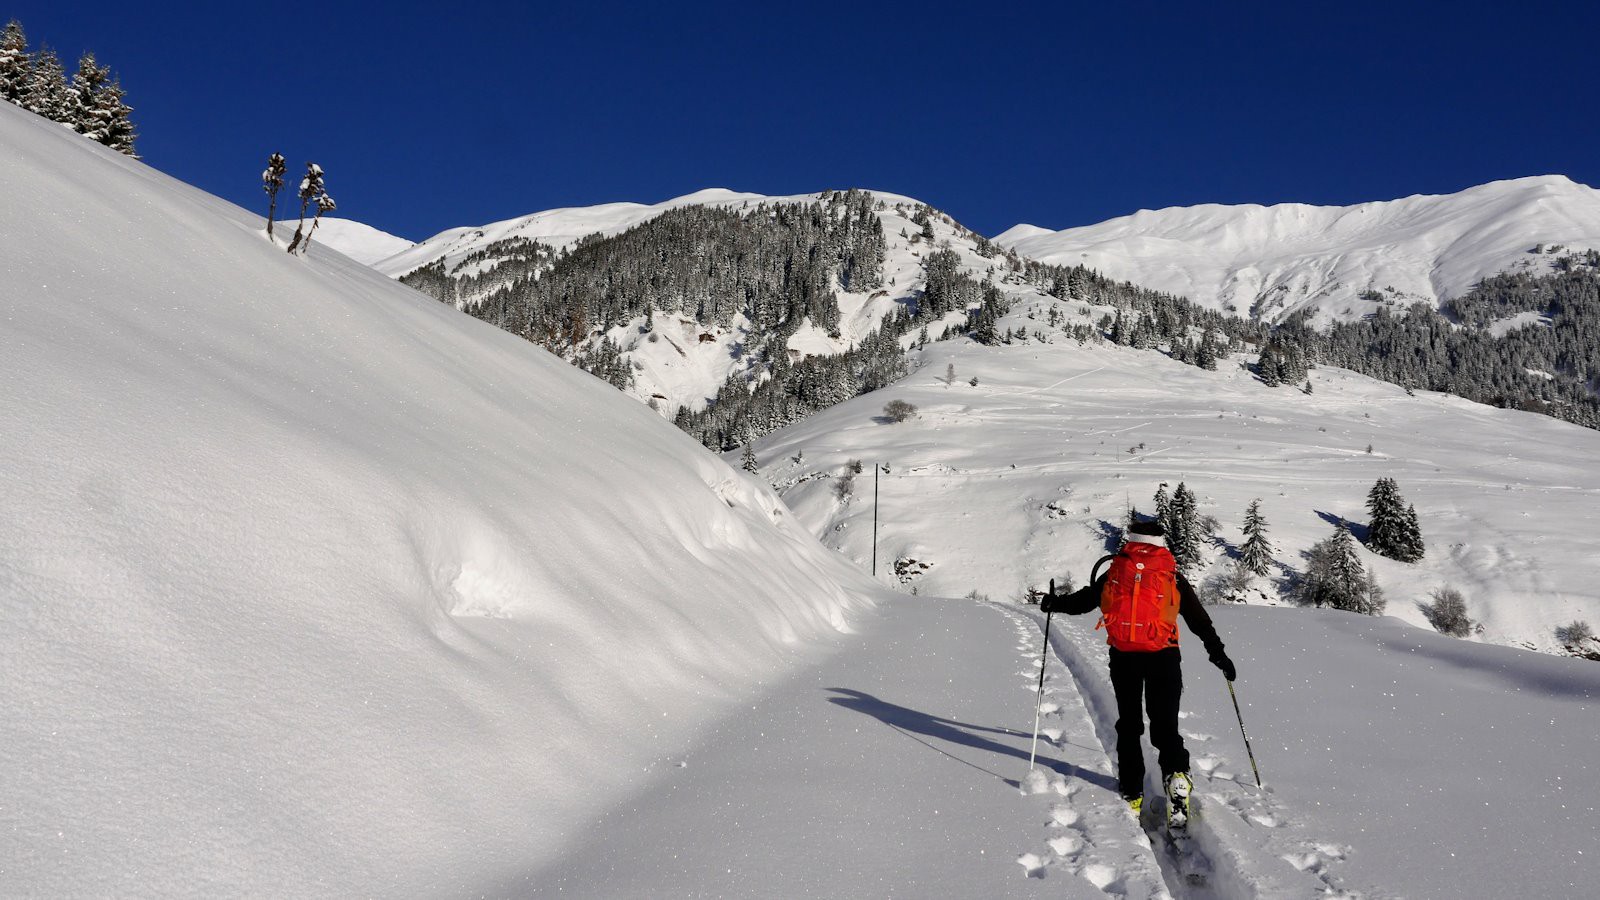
[(1094, 575)]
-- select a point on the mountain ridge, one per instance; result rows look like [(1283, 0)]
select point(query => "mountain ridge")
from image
[(1336, 262)]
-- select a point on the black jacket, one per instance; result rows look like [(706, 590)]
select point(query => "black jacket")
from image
[(1087, 599)]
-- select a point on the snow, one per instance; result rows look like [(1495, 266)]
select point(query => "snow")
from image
[(1509, 324), (1010, 483), (1397, 761), (679, 363), (317, 587), (892, 769), (554, 227), (360, 242), (314, 586), (1269, 261)]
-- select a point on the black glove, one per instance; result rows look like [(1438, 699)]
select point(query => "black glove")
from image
[(1221, 661), (1047, 603)]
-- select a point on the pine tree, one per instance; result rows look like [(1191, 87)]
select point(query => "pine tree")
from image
[(47, 88), (1184, 537), (119, 131), (1255, 555), (14, 63), (748, 461), (1392, 531), (1164, 509), (1411, 548), (86, 117), (1386, 517), (1335, 577), (1206, 356), (272, 183)]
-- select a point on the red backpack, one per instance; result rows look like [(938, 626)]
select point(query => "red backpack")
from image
[(1139, 603)]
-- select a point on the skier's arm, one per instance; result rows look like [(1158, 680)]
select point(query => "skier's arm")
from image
[(1199, 624), (1077, 603)]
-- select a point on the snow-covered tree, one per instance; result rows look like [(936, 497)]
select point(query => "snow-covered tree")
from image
[(272, 183), (14, 63), (1392, 530), (1163, 508), (119, 132), (1183, 538), (748, 460), (325, 204), (1255, 554), (1412, 547), (47, 89), (1206, 355), (87, 118), (1335, 576), (310, 189)]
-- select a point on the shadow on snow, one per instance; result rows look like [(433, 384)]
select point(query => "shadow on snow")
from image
[(911, 723)]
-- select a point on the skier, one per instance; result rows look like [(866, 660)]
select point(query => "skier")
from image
[(1140, 598)]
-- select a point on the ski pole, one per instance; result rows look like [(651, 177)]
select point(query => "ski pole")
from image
[(1242, 734), (1044, 657)]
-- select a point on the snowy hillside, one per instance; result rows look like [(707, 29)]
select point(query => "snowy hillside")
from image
[(677, 361), (357, 240), (1005, 484), (317, 587), (552, 227), (1338, 261), (1399, 762)]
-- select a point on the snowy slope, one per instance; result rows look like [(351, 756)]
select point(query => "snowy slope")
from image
[(555, 227), (315, 587), (357, 240), (1506, 499), (1398, 762), (678, 363), (1268, 261)]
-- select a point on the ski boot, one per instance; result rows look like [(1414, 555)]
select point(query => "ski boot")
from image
[(1179, 787)]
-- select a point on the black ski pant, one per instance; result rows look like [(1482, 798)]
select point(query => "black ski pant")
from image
[(1154, 680)]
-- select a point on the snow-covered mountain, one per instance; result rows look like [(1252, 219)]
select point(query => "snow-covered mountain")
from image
[(552, 227), (314, 586), (676, 361), (1340, 262), (357, 240)]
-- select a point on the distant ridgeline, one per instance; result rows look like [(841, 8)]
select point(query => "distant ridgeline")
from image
[(777, 266), (774, 266), (1517, 340)]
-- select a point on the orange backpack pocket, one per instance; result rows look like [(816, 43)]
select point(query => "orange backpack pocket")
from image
[(1139, 603)]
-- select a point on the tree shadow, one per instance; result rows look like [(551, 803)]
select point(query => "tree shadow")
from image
[(1357, 529), (911, 723), (1110, 534)]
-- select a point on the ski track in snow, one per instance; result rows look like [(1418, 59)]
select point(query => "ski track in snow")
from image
[(1241, 841), (1087, 833)]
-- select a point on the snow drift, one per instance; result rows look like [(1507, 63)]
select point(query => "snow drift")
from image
[(317, 586), (1269, 261)]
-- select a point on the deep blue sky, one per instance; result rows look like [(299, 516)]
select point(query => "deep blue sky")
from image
[(427, 115)]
